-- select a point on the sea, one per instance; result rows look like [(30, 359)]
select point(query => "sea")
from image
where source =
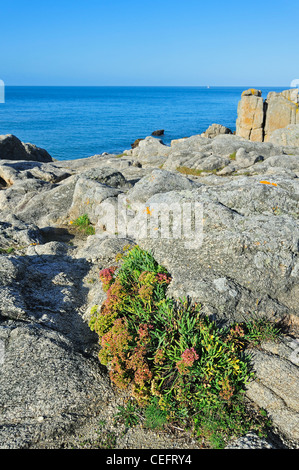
[(78, 122)]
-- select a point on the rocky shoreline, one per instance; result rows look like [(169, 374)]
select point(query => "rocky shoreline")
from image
[(53, 391)]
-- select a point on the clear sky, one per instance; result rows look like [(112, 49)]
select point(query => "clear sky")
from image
[(149, 42)]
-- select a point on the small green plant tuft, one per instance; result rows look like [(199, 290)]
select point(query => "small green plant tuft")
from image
[(154, 416), (127, 415), (189, 171), (232, 156), (260, 330), (83, 223), (7, 251)]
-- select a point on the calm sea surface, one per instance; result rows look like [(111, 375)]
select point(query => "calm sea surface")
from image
[(77, 122)]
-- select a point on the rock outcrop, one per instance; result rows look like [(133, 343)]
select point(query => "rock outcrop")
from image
[(281, 109), (250, 121), (52, 387), (288, 136), (258, 119), (158, 132), (11, 148), (214, 130)]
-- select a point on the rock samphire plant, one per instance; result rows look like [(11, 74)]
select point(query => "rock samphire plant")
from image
[(83, 223), (167, 354)]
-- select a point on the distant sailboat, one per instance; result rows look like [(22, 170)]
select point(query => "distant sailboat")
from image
[(208, 86)]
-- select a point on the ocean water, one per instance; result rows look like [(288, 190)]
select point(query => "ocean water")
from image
[(77, 122)]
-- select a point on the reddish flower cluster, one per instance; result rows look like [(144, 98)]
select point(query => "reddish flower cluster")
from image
[(124, 351), (163, 278), (159, 357), (235, 334), (107, 277), (115, 295), (227, 390), (109, 309), (118, 374), (138, 364), (146, 277), (188, 357), (116, 342), (143, 332), (146, 293), (237, 330)]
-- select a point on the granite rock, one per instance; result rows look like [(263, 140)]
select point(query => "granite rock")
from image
[(11, 148)]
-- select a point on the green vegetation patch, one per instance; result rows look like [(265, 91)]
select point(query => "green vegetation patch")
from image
[(176, 364), (7, 251), (83, 223), (189, 171)]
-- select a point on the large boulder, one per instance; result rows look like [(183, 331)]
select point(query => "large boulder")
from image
[(216, 129), (37, 202), (245, 263), (87, 197), (258, 119), (21, 170), (158, 181), (11, 148), (280, 112), (276, 386), (288, 136), (150, 151), (49, 380), (251, 115)]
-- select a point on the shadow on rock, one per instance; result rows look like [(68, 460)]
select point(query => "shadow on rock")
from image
[(46, 288)]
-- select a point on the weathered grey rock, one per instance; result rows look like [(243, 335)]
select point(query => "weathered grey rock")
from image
[(216, 129), (16, 235), (150, 146), (280, 112), (245, 159), (291, 94), (11, 172), (191, 144), (226, 145), (158, 181), (288, 136), (275, 387), (47, 386), (107, 176), (251, 441), (245, 245), (45, 207), (277, 165), (136, 143), (11, 148), (16, 197), (88, 195)]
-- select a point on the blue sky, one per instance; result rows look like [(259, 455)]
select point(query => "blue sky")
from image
[(165, 42)]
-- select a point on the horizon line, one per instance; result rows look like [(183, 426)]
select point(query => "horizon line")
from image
[(151, 86)]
